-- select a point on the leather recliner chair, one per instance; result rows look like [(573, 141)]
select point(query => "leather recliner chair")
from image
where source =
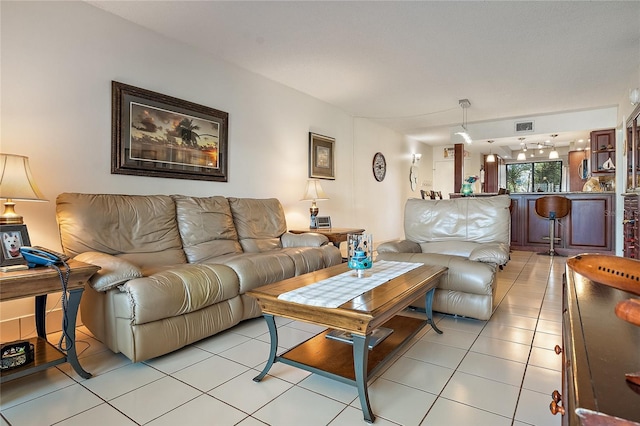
[(471, 236)]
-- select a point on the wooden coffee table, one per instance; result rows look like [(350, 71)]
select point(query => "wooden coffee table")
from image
[(361, 316)]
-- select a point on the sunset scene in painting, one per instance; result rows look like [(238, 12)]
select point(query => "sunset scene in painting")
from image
[(164, 136)]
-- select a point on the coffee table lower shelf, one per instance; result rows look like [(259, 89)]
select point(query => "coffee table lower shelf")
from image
[(342, 361), (330, 357)]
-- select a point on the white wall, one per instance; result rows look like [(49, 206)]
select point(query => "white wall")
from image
[(58, 60)]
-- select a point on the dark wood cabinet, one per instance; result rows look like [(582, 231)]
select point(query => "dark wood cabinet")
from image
[(598, 350), (516, 222), (603, 149), (632, 143), (630, 226), (589, 227)]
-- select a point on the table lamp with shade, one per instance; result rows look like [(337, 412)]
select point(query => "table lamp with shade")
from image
[(16, 183), (313, 192)]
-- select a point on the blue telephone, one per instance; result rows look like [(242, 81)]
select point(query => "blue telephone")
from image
[(41, 256)]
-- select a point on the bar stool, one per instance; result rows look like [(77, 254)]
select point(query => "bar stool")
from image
[(552, 207)]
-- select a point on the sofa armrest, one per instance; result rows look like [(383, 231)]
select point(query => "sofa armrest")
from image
[(307, 239), (399, 246), (496, 253), (114, 270)]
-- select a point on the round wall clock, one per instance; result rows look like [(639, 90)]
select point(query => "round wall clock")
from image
[(379, 166)]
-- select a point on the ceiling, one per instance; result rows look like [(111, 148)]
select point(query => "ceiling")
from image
[(406, 64)]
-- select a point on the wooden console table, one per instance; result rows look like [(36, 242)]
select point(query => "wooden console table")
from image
[(38, 282), (335, 235), (598, 349)]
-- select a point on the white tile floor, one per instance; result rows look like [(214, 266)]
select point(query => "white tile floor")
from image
[(499, 372)]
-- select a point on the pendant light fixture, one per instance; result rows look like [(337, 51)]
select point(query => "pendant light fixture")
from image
[(464, 103), (521, 155), (490, 158), (553, 154)]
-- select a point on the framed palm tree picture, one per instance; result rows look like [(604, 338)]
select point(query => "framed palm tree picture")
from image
[(162, 136)]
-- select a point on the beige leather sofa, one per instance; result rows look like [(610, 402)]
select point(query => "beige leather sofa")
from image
[(471, 236), (175, 269)]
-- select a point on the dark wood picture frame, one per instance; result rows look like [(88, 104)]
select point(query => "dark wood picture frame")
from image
[(321, 156), (162, 136), (13, 237)]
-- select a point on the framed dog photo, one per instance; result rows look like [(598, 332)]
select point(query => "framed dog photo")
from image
[(13, 237)]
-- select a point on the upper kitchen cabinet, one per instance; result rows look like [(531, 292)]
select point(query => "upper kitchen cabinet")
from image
[(603, 152)]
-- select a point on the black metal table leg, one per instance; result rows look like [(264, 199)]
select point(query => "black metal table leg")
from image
[(70, 332), (41, 303), (273, 333), (429, 310), (360, 359)]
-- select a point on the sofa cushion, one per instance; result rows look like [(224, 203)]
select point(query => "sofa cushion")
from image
[(309, 259), (206, 227), (306, 239), (143, 227), (257, 269), (463, 274), (177, 291), (496, 253), (259, 223), (476, 219), (456, 248)]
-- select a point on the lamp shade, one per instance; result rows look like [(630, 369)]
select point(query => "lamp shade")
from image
[(313, 191), (553, 154), (522, 156), (16, 180)]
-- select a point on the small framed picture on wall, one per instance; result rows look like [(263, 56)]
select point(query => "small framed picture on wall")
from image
[(321, 157)]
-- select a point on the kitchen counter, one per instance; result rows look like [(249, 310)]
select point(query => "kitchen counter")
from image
[(564, 193), (589, 227), (491, 194)]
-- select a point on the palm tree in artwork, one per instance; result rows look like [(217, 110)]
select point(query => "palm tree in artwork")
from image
[(187, 129)]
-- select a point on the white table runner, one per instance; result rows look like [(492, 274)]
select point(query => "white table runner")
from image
[(335, 291)]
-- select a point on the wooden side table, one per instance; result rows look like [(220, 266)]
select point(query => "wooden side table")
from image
[(38, 282), (335, 235)]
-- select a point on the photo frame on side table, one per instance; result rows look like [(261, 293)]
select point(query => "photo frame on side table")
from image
[(162, 136), (13, 237), (321, 156)]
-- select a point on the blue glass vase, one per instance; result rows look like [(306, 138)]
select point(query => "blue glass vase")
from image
[(466, 189), (360, 252)]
